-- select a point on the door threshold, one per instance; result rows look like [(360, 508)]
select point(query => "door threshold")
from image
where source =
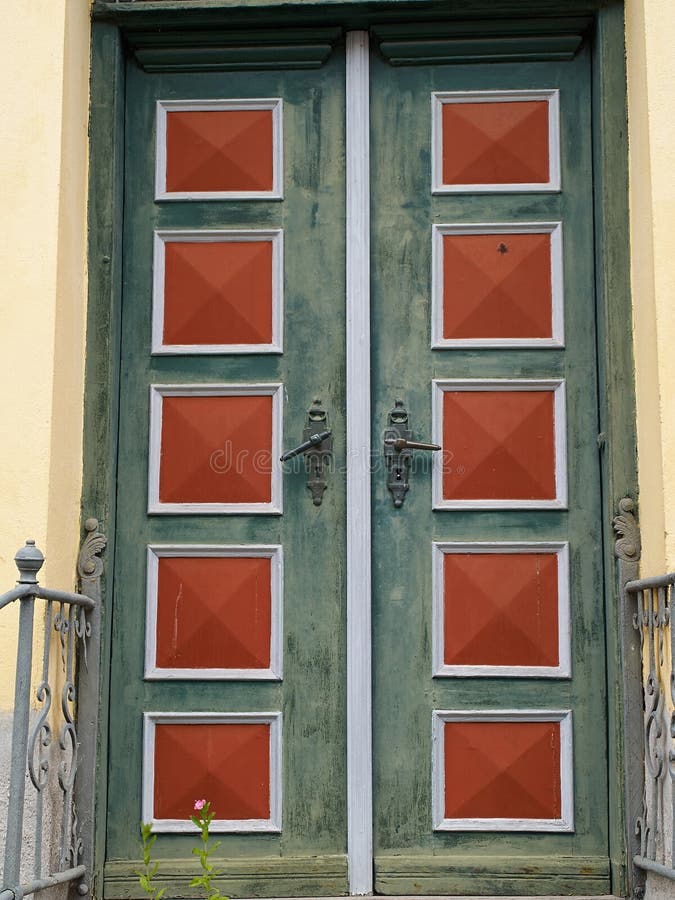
[(463, 897)]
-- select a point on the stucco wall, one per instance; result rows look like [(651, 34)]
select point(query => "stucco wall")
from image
[(43, 175), (43, 160), (44, 70), (650, 37)]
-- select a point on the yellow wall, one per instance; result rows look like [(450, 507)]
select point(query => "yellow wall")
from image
[(650, 37), (43, 164), (44, 70)]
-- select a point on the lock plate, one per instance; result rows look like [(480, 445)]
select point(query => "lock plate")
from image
[(318, 456), (397, 460)]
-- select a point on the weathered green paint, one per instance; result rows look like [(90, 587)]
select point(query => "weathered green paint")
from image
[(403, 365), (616, 383), (567, 25), (312, 695), (349, 12), (485, 50), (219, 50), (239, 876), (515, 40), (513, 886), (616, 406), (103, 356), (487, 874)]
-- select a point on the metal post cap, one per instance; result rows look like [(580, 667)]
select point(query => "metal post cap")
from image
[(29, 560)]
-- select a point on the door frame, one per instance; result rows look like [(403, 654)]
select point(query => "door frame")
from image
[(114, 24)]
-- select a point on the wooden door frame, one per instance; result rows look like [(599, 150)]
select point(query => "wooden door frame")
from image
[(115, 25)]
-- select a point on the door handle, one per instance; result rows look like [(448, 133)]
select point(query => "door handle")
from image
[(312, 441), (404, 443), (398, 446), (317, 446)]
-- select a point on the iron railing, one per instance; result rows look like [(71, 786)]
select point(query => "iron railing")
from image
[(53, 744), (653, 621), (648, 667)]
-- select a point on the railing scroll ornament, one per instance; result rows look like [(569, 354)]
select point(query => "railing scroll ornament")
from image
[(65, 765), (627, 550), (648, 607)]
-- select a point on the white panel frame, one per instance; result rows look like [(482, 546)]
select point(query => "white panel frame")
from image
[(152, 719), (164, 236), (438, 98), (158, 392), (274, 553), (442, 670), (239, 103), (554, 229), (566, 821), (359, 649), (554, 385)]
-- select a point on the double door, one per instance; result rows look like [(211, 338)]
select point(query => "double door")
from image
[(383, 665)]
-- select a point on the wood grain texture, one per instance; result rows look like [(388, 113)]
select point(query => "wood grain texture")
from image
[(243, 876), (404, 693), (106, 164), (617, 414), (312, 694), (354, 12), (616, 394)]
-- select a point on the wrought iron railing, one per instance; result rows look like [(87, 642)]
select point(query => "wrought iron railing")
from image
[(653, 621), (53, 744), (648, 666)]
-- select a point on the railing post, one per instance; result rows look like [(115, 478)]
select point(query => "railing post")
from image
[(627, 549), (671, 755), (90, 569), (29, 561)]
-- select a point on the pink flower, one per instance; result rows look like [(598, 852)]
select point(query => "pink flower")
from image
[(199, 805)]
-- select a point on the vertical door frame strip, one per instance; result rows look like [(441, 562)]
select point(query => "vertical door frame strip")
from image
[(359, 699)]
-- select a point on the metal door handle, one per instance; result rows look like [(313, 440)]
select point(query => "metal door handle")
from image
[(405, 444), (317, 447), (398, 447), (312, 441)]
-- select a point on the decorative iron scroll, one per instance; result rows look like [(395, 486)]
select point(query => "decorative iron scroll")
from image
[(51, 763), (627, 553), (648, 661)]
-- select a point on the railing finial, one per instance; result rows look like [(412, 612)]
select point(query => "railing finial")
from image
[(29, 560)]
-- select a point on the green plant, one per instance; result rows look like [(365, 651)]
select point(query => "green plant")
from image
[(146, 877), (202, 818)]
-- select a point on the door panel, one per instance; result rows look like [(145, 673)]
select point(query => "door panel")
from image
[(228, 658), (490, 752), (228, 677)]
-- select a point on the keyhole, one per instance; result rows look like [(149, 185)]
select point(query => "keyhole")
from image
[(502, 248)]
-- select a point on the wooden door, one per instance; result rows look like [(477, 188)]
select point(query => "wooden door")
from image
[(230, 641), (228, 657), (490, 755)]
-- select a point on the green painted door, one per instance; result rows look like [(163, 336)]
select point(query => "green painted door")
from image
[(229, 672), (490, 754), (228, 656)]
